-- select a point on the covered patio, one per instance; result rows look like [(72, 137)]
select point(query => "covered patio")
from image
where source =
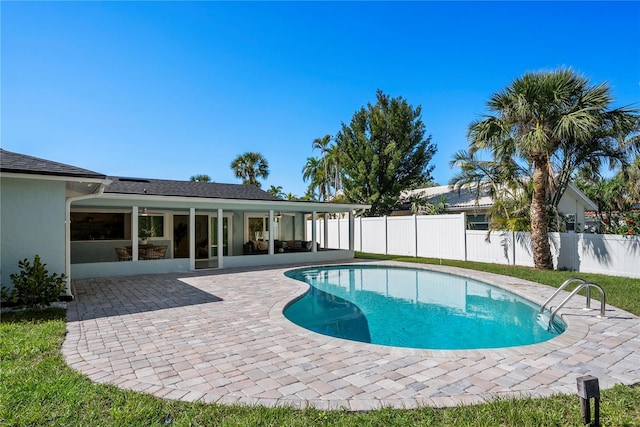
[(191, 225)]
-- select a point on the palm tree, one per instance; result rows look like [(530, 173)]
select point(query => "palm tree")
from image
[(540, 118), (631, 170), (632, 173), (249, 167), (309, 195), (290, 196), (333, 159), (276, 191), (323, 144), (200, 178), (439, 207), (314, 173), (504, 180), (610, 194)]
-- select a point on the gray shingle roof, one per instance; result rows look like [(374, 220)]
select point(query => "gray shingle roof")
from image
[(162, 187), (21, 163)]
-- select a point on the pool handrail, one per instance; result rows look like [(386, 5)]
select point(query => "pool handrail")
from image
[(561, 288), (586, 285)]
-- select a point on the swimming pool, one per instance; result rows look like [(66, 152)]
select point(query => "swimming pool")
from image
[(414, 308)]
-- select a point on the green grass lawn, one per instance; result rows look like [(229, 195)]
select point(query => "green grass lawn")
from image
[(38, 389)]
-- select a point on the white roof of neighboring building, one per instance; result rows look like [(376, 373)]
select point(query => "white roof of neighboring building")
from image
[(466, 199)]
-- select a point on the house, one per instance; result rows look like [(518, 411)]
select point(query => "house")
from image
[(573, 204), (87, 224)]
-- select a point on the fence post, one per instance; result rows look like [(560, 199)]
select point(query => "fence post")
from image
[(464, 235), (577, 239), (415, 235), (314, 235), (352, 231), (386, 237), (325, 231), (513, 247)]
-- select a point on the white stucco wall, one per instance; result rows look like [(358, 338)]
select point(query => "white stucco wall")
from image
[(32, 217)]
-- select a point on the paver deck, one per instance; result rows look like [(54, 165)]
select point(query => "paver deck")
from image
[(220, 336)]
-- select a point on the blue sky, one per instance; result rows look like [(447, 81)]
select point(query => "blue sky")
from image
[(173, 89)]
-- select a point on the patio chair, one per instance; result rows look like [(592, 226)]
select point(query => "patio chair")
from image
[(123, 254), (156, 252)]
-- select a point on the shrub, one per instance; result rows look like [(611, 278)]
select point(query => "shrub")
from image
[(34, 286), (626, 224)]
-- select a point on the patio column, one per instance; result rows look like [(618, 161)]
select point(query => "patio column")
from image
[(314, 232), (220, 241), (192, 238), (271, 230), (134, 233), (351, 231), (326, 231)]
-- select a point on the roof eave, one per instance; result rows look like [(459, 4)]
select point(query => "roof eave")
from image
[(589, 204), (299, 206), (5, 173), (468, 208)]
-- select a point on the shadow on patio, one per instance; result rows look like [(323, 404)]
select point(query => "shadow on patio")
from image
[(122, 295), (116, 296)]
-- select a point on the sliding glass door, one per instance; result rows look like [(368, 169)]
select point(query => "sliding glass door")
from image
[(206, 241), (226, 233)]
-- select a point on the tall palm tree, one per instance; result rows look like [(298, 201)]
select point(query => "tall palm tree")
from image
[(324, 145), (333, 159), (249, 167), (632, 174), (540, 117), (313, 172), (631, 170)]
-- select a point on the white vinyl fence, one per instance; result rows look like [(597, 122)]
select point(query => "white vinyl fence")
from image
[(446, 237)]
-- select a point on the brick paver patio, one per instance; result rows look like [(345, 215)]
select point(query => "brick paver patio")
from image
[(220, 336)]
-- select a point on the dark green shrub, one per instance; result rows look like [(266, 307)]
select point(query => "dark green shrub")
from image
[(34, 286)]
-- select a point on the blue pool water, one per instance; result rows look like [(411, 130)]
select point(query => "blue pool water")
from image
[(414, 308)]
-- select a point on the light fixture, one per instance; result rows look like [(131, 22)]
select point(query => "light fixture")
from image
[(144, 212)]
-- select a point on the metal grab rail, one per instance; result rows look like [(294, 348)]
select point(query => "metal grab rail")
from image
[(575, 291), (561, 288)]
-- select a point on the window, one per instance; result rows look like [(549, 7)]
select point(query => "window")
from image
[(150, 226), (257, 226), (477, 222), (99, 226), (570, 222)]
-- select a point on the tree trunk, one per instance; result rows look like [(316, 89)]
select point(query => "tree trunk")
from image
[(539, 231)]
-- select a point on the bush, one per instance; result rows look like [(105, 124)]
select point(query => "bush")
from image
[(34, 286), (624, 223)]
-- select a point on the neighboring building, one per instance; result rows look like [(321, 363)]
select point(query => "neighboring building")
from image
[(86, 224), (573, 204)]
